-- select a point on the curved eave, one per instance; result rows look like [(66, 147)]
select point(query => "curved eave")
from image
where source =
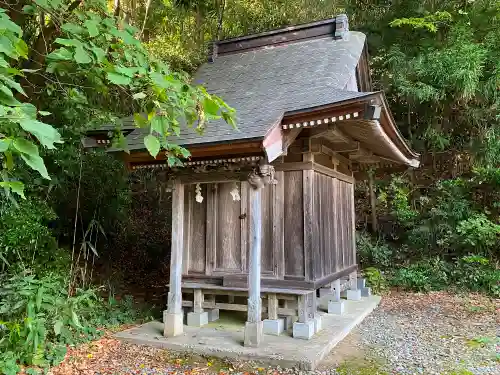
[(391, 129)]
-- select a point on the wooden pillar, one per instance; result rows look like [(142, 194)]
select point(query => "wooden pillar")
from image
[(373, 201), (173, 318), (254, 326)]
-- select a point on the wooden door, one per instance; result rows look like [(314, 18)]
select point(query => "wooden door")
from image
[(226, 229)]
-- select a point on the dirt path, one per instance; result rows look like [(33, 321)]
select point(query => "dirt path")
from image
[(437, 333)]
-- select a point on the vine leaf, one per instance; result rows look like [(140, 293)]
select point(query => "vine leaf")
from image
[(152, 144)]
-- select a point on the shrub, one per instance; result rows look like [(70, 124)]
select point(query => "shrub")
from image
[(39, 319), (24, 231), (476, 273), (423, 276), (372, 251), (376, 280)]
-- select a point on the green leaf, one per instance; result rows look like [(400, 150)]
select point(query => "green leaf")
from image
[(139, 95), (39, 296), (7, 24), (36, 163), (92, 27), (152, 144), (159, 124), (129, 72), (210, 106), (9, 160), (61, 54), (4, 144), (6, 90), (46, 134), (99, 53), (3, 63), (140, 120), (118, 79), (12, 84), (16, 186), (29, 9), (57, 327), (21, 48), (125, 36), (72, 28), (81, 56), (44, 113), (75, 319), (68, 42), (25, 147)]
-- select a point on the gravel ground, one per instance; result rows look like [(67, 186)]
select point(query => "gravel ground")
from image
[(436, 333)]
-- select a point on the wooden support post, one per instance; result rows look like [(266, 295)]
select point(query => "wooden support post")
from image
[(373, 201), (353, 280), (253, 327), (173, 318), (336, 285), (198, 301), (254, 324), (302, 308), (272, 308)]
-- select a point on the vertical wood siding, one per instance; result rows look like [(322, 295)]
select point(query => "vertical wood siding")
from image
[(194, 231), (307, 227), (332, 225), (228, 240), (294, 224)]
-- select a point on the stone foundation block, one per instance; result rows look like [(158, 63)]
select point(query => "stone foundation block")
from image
[(274, 326), (253, 334), (366, 292), (197, 319), (289, 320), (317, 323), (354, 295), (336, 307), (303, 330), (213, 315), (173, 324), (361, 283), (325, 292)]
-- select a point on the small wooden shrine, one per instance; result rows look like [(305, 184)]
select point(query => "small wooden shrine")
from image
[(263, 217)]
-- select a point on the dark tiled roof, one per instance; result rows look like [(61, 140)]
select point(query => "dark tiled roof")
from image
[(263, 84)]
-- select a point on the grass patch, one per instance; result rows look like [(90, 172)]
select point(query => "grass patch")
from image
[(361, 367)]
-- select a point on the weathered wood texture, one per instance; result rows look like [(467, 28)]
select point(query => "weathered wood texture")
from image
[(307, 228), (294, 224), (333, 225)]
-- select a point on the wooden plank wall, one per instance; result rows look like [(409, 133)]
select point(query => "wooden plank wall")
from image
[(194, 261), (294, 247), (294, 224), (333, 226)]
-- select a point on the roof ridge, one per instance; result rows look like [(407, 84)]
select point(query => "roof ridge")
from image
[(337, 27)]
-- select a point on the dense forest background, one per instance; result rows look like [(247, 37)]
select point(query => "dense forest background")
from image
[(76, 230)]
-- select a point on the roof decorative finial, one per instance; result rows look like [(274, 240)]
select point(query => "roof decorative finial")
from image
[(212, 52), (341, 26)]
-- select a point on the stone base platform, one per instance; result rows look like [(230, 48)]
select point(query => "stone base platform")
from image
[(223, 340)]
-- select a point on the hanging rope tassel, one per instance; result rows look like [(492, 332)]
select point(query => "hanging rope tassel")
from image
[(235, 193), (199, 197)]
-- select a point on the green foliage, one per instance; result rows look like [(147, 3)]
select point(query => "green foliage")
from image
[(18, 121), (24, 234), (470, 273), (476, 273), (478, 232), (429, 22), (39, 319), (373, 251), (423, 276), (376, 280)]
